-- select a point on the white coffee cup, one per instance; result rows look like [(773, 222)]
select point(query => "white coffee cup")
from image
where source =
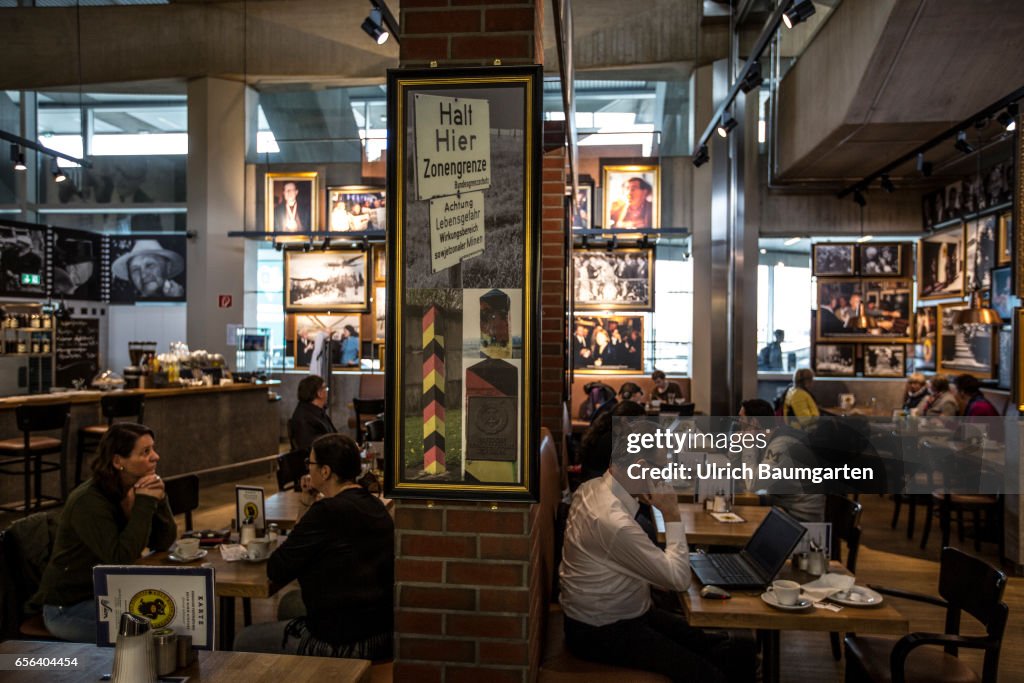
[(259, 548), (187, 547), (786, 592)]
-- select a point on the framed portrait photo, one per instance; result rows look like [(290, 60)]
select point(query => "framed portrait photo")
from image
[(1002, 292), (885, 360), (321, 336), (583, 208), (292, 202), (1004, 239), (980, 238), (833, 260), (147, 268), (609, 344), (632, 196), (964, 348), (613, 280), (926, 337), (835, 360), (940, 264), (356, 208), (881, 260), (326, 281), (76, 259)]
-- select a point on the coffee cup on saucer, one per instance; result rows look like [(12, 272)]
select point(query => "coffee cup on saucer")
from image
[(258, 548), (787, 593), (187, 548)]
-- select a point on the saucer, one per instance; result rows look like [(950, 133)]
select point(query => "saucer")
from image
[(857, 596), (184, 560), (801, 604), (256, 561)]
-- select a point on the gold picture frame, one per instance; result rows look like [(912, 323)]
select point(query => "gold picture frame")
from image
[(954, 342), (631, 195), (356, 208), (300, 217), (942, 254)]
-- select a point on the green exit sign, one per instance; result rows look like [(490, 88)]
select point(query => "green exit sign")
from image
[(30, 278)]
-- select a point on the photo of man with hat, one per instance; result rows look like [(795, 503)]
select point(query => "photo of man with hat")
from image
[(148, 270)]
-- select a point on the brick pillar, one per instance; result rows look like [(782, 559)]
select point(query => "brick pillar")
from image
[(466, 594)]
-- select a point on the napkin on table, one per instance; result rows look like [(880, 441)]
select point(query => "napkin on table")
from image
[(826, 585), (233, 552)]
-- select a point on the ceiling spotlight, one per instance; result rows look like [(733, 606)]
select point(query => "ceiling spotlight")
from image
[(374, 28), (1008, 119), (924, 167), (858, 199), (18, 158), (726, 125), (800, 11), (752, 79), (886, 183), (701, 157), (961, 143), (58, 175)]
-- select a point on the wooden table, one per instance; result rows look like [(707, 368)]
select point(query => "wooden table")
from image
[(232, 580), (703, 529), (210, 667), (746, 610), (283, 507)]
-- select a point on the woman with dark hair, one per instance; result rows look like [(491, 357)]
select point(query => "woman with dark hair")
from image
[(342, 551), (349, 346), (109, 519)]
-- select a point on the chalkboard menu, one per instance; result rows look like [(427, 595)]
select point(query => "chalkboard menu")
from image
[(78, 351)]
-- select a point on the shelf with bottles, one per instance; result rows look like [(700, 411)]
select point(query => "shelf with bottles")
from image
[(38, 344)]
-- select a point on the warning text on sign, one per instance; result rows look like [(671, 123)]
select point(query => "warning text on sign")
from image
[(456, 229)]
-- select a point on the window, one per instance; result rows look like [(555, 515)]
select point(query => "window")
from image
[(783, 279)]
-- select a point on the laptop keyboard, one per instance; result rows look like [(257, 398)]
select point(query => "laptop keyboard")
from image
[(729, 566)]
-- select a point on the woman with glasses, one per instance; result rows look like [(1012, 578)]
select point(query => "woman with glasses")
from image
[(310, 420), (342, 552)]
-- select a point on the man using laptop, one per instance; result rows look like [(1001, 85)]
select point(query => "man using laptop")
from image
[(609, 565)]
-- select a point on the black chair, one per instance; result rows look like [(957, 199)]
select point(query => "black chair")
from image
[(112, 406), (25, 548), (365, 409), (183, 496), (290, 468), (844, 516), (966, 584), (374, 430), (30, 449)]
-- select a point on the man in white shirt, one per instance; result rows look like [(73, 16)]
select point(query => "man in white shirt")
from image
[(608, 567)]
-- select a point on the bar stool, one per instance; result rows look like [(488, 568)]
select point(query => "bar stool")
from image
[(112, 406), (30, 450)]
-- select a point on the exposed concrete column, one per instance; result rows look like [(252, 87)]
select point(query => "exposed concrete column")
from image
[(216, 205)]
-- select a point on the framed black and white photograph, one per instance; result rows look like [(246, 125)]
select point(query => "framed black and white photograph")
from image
[(613, 344), (964, 348), (23, 262), (883, 260), (150, 268), (980, 238), (1002, 292), (953, 205), (940, 264), (326, 281), (839, 302), (77, 260), (292, 202), (925, 336), (356, 208), (583, 209), (835, 360), (885, 360), (1004, 239), (889, 303), (614, 280), (321, 342), (1005, 371), (380, 313), (886, 304), (833, 260)]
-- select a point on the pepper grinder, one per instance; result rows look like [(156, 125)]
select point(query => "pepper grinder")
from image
[(134, 658)]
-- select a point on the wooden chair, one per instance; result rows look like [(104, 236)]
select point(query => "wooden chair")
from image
[(365, 409), (183, 496), (975, 503), (112, 406), (24, 455), (966, 584), (844, 516)]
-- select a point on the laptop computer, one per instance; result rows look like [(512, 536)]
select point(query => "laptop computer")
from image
[(760, 560)]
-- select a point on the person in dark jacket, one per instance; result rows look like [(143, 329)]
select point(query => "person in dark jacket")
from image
[(342, 551), (109, 519), (310, 420)]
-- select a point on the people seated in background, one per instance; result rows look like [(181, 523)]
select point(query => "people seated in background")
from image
[(968, 393), (917, 391), (600, 397), (799, 401), (663, 388), (342, 552), (631, 391), (109, 519), (609, 565), (596, 444), (310, 420), (940, 400)]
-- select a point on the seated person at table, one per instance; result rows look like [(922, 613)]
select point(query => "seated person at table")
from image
[(108, 519), (662, 387), (596, 444), (342, 552), (609, 565), (940, 400), (631, 391), (968, 394), (310, 420), (789, 447), (917, 391), (799, 401)]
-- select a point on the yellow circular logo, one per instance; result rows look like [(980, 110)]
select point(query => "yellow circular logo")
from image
[(250, 510), (153, 604)]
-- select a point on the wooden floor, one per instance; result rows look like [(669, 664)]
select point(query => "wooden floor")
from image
[(886, 558)]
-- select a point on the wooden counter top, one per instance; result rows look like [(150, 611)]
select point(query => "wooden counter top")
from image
[(92, 396)]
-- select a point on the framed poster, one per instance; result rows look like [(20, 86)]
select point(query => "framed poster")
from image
[(318, 340), (964, 348), (887, 302), (23, 257), (613, 344), (380, 263), (940, 264), (926, 338), (1004, 239), (881, 260), (833, 260), (76, 260), (980, 238), (1001, 296), (613, 280), (464, 183), (380, 307), (329, 281), (583, 209), (150, 268), (885, 360), (292, 202), (632, 197), (356, 208), (835, 360)]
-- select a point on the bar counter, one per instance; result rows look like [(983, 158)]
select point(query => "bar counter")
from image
[(196, 427)]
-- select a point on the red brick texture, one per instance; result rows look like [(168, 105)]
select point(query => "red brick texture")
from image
[(471, 32)]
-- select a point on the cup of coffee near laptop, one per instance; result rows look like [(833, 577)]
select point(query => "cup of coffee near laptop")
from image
[(786, 592)]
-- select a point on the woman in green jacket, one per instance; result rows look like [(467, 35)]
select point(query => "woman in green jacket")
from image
[(109, 519)]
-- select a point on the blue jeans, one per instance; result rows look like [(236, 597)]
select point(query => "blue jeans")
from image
[(76, 623)]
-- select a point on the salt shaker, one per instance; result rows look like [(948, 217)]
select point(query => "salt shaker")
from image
[(134, 658), (273, 532), (247, 532)]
